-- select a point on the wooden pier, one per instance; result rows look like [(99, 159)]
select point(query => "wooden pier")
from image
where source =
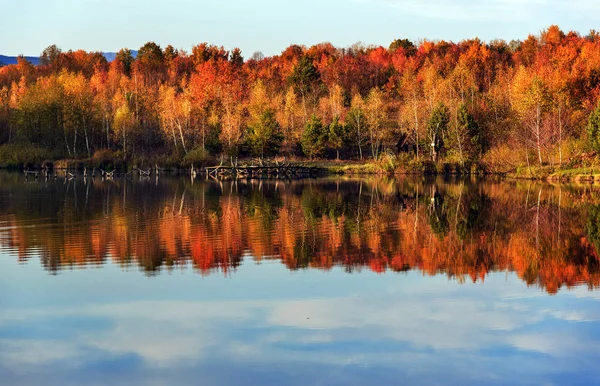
[(253, 170), (265, 171)]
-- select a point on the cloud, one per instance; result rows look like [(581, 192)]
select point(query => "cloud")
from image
[(168, 333), (398, 329), (546, 343), (29, 352)]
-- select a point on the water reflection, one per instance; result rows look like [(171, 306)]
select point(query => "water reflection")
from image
[(548, 235), (276, 304)]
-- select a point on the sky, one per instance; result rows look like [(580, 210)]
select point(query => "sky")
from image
[(270, 26)]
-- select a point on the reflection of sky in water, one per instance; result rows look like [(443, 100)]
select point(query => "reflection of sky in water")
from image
[(265, 324)]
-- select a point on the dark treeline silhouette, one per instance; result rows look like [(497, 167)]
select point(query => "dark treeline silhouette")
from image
[(548, 235), (501, 105)]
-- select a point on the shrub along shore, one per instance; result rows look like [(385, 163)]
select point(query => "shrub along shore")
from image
[(22, 158)]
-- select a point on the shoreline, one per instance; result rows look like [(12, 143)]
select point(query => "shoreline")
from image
[(581, 175)]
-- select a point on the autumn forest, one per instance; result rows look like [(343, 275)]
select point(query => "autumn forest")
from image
[(494, 106)]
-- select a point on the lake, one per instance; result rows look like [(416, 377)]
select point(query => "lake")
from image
[(333, 281)]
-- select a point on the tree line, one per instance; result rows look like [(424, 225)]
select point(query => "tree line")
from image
[(502, 104)]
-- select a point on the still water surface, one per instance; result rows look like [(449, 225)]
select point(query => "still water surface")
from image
[(315, 282)]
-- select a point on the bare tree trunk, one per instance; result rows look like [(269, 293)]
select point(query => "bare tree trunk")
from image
[(416, 127), (67, 144), (75, 144), (433, 152), (359, 138), (136, 98), (458, 138), (65, 135), (173, 135), (559, 137), (304, 107), (107, 132), (87, 142), (176, 122), (538, 134), (182, 139), (373, 151), (203, 135), (528, 165)]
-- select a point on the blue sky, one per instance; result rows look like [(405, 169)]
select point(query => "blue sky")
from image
[(271, 25)]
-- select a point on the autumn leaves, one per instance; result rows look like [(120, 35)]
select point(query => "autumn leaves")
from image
[(468, 99)]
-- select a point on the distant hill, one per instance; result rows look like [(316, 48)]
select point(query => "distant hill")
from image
[(6, 60)]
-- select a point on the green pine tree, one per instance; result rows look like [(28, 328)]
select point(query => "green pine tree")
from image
[(314, 137)]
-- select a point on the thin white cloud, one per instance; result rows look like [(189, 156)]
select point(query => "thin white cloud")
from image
[(22, 353), (546, 343)]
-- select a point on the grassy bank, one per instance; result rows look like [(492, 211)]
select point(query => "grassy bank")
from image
[(565, 174), (19, 157), (386, 166), (578, 174)]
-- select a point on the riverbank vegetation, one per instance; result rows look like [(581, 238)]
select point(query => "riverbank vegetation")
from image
[(525, 108)]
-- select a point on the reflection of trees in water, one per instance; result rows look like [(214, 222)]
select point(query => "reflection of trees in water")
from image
[(463, 229), (593, 226)]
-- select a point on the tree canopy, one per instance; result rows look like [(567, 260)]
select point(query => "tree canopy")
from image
[(470, 99)]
